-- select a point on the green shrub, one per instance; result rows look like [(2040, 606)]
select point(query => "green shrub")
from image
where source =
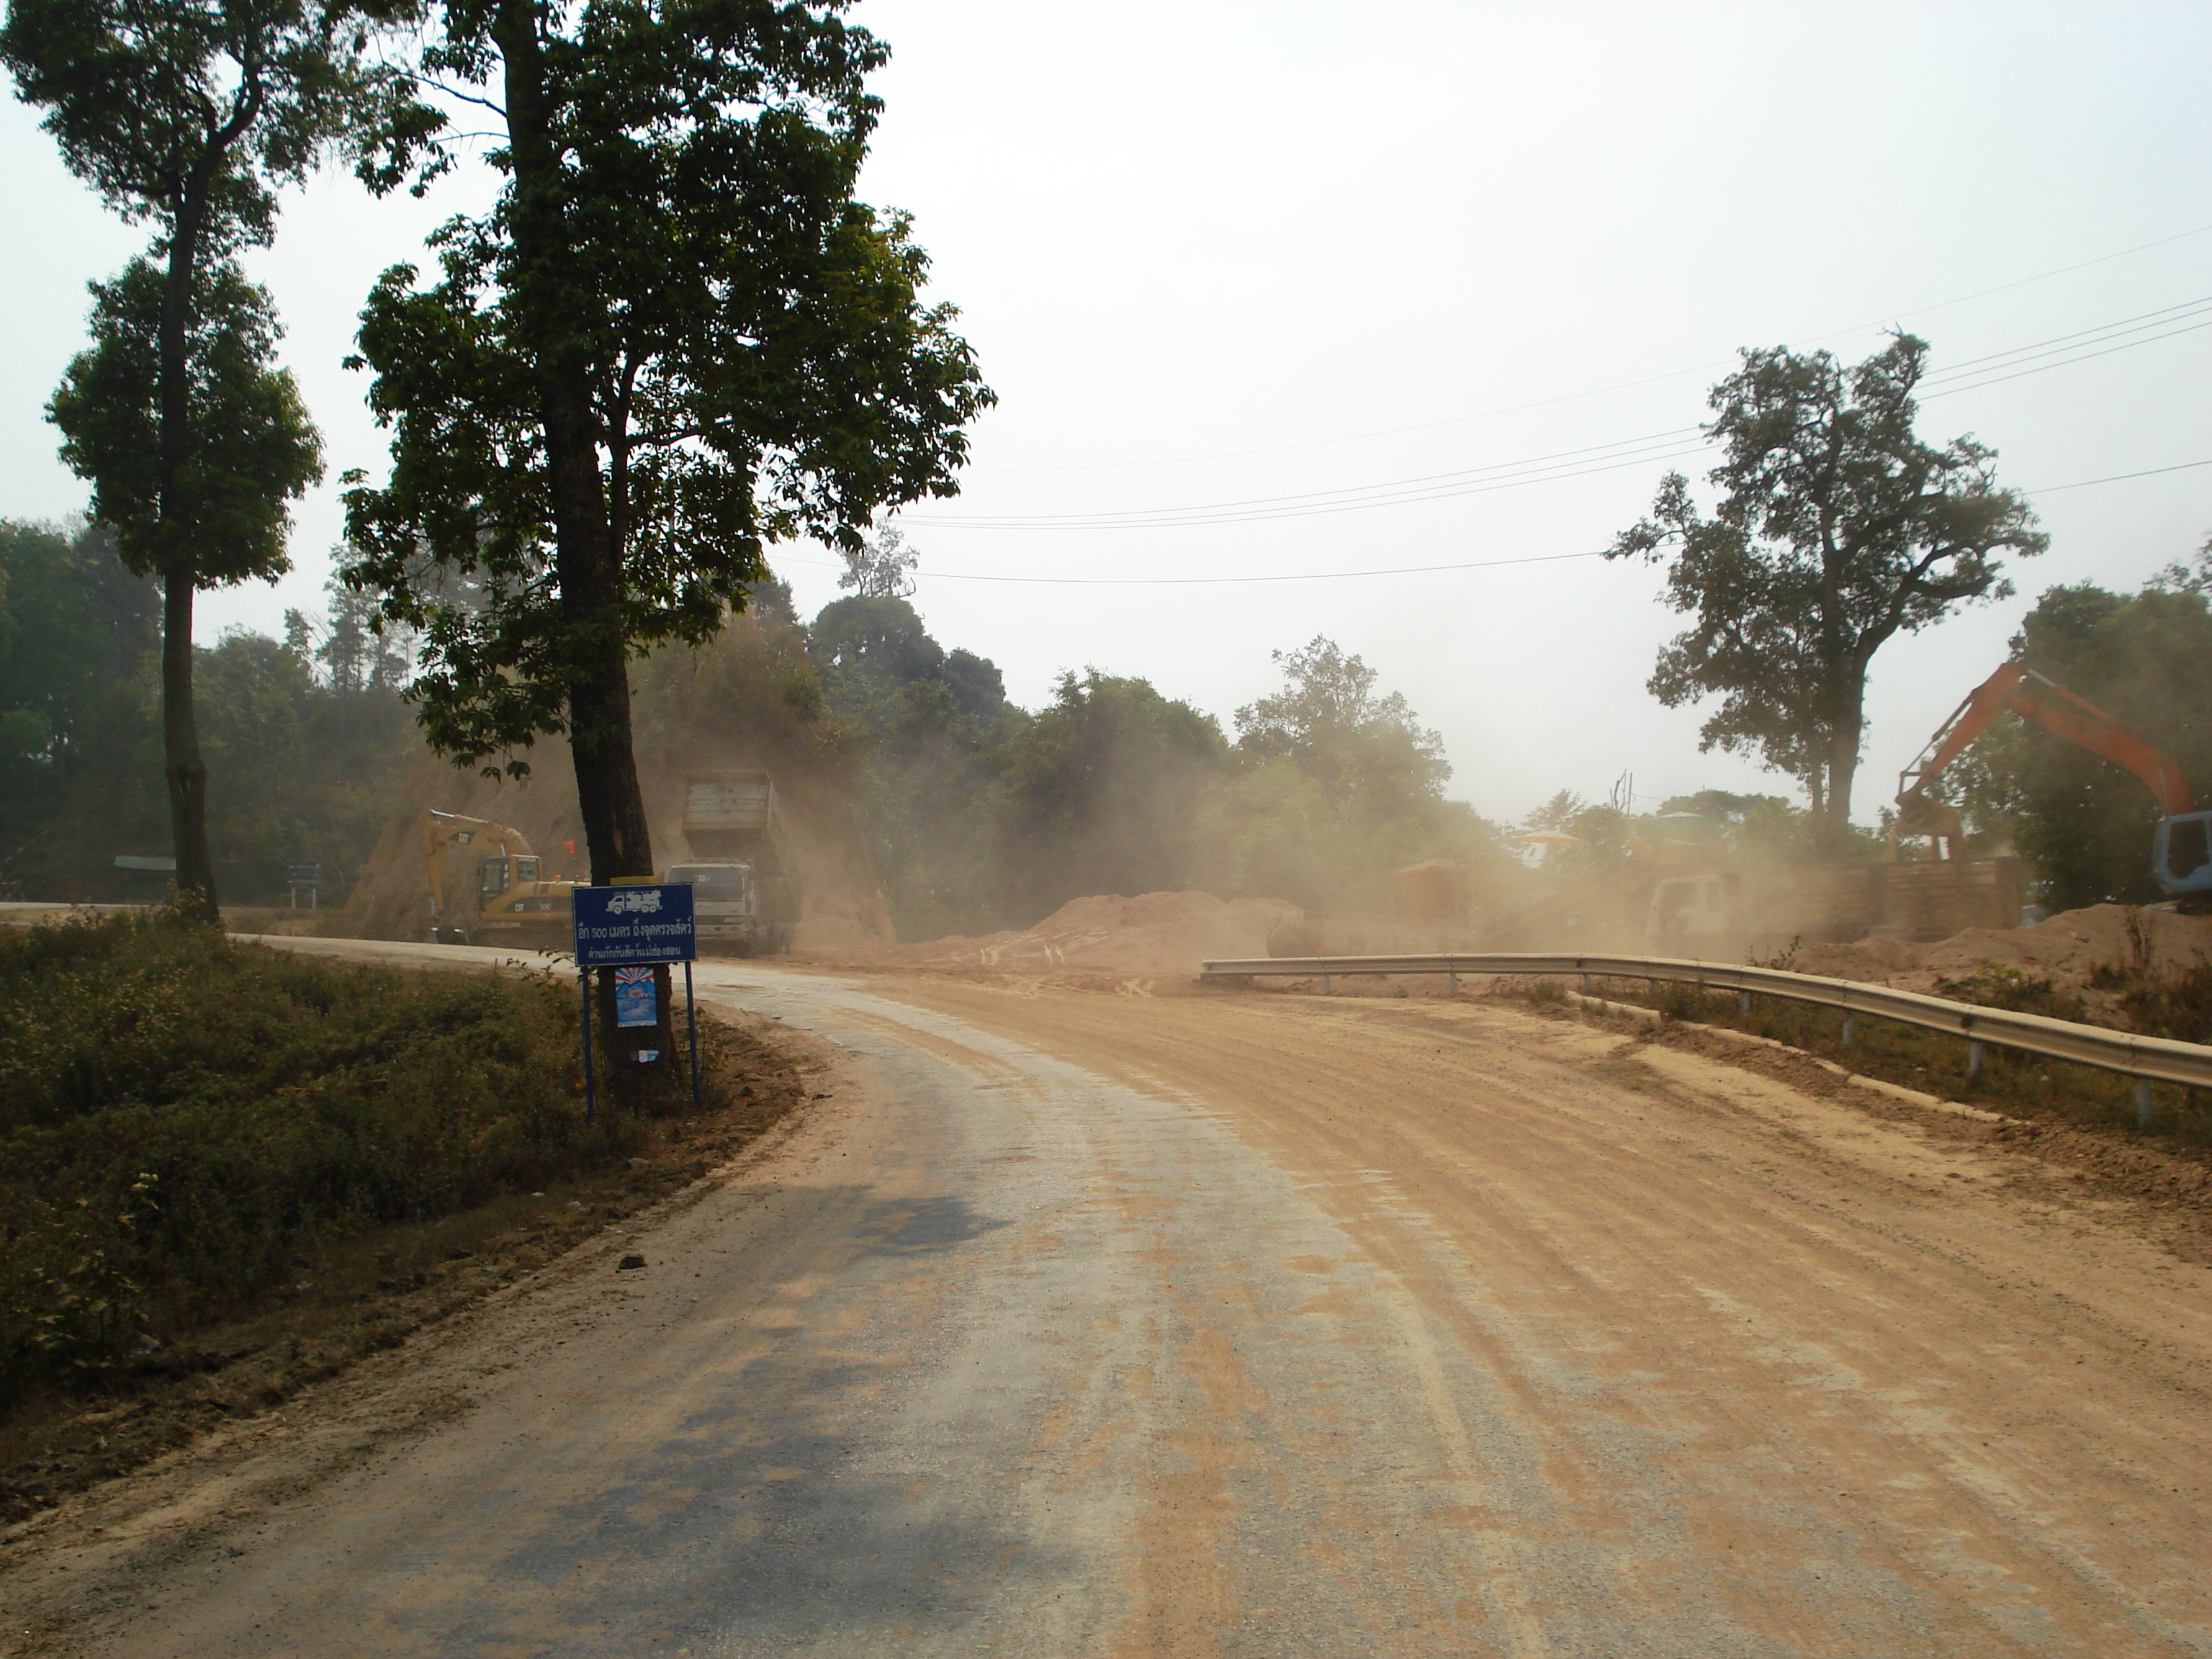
[(185, 1119)]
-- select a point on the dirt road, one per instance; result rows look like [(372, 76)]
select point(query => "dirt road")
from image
[(1072, 1323)]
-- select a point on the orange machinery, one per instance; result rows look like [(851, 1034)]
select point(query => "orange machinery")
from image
[(2181, 849)]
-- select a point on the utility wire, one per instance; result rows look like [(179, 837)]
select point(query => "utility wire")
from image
[(1656, 445), (2104, 331), (1599, 392), (2105, 339), (1394, 570), (2127, 345)]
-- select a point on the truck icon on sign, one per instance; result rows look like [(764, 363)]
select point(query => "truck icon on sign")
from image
[(645, 900)]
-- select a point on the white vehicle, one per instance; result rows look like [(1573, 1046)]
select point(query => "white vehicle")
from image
[(725, 908), (1698, 917), (734, 831)]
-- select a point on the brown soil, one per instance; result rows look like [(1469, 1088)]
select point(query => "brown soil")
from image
[(1150, 934), (2066, 950), (366, 1293)]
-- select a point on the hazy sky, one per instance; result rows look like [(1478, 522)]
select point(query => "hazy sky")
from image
[(1279, 260)]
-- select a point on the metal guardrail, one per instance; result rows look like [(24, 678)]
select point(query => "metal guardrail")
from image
[(2147, 1059)]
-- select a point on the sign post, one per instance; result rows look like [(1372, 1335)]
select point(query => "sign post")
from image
[(307, 874), (630, 928)]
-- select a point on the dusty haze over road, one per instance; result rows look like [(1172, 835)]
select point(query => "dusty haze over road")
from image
[(1076, 1323)]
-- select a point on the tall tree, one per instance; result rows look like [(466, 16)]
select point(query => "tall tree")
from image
[(883, 569), (1366, 747), (676, 339), (1838, 529), (219, 521), (190, 113)]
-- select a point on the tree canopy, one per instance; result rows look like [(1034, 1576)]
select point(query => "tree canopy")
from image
[(224, 519), (677, 339), (1360, 745), (1838, 529)]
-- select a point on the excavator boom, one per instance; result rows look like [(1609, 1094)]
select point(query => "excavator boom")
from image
[(2019, 690), (2181, 855)]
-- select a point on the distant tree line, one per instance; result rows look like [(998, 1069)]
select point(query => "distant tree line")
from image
[(980, 814), (306, 735)]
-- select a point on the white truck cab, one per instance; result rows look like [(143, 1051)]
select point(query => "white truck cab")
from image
[(726, 906)]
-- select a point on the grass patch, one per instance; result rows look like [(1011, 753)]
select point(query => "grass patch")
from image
[(187, 1124)]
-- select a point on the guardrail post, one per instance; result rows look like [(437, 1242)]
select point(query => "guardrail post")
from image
[(1451, 975), (1851, 1029), (1590, 986), (1743, 1003), (1973, 1061), (1325, 979), (2146, 1113)]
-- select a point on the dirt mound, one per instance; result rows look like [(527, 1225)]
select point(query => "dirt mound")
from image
[(2065, 949), (1152, 934)]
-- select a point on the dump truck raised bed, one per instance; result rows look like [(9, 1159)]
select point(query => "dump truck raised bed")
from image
[(740, 867)]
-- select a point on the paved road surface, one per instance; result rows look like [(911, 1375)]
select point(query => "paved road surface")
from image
[(1074, 1323)]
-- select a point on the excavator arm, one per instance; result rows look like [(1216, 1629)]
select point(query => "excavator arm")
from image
[(443, 831), (2021, 690)]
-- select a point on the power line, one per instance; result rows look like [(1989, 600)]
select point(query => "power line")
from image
[(1562, 465), (1394, 570), (2126, 345), (2108, 330), (1598, 392), (2052, 490)]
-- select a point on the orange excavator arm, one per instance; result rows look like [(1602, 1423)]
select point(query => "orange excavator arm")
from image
[(2037, 697)]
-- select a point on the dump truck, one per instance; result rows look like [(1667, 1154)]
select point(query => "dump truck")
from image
[(1738, 915), (740, 867), (487, 886)]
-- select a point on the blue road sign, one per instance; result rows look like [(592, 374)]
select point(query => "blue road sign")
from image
[(618, 927)]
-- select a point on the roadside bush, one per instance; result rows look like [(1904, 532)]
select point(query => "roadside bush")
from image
[(184, 1119)]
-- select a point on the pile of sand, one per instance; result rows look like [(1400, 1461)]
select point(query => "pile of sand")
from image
[(2065, 949), (1152, 935)]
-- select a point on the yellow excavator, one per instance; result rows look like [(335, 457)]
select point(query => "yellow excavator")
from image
[(486, 886)]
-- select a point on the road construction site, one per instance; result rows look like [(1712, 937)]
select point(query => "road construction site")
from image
[(1126, 1322)]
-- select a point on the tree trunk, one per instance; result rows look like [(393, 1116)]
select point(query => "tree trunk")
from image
[(1835, 829), (180, 752), (182, 767), (587, 557)]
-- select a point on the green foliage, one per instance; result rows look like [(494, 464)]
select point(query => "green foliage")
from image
[(979, 815), (1838, 529), (2001, 985), (676, 340), (192, 113), (182, 1119), (77, 635), (2083, 824), (308, 738), (222, 517), (1366, 750)]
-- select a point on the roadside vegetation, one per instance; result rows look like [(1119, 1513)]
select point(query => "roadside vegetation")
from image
[(2176, 1004), (186, 1121)]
